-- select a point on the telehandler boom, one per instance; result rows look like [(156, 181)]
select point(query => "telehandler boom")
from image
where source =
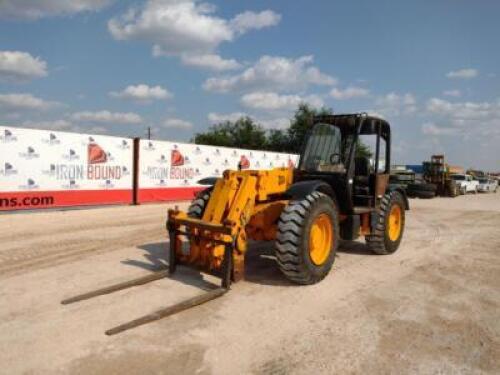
[(335, 193)]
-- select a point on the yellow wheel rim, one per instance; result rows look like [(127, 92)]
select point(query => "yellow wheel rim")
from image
[(320, 239), (394, 224)]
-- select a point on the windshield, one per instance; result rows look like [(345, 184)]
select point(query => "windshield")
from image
[(323, 150), (483, 180), (458, 177)]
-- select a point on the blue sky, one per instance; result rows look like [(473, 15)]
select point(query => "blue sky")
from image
[(116, 67)]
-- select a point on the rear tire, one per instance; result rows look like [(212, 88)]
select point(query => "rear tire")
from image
[(198, 205), (385, 240), (307, 239)]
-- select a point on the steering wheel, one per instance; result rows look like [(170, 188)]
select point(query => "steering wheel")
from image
[(335, 158)]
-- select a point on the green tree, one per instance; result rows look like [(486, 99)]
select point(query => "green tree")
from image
[(300, 125), (242, 133), (277, 140), (246, 133), (363, 150)]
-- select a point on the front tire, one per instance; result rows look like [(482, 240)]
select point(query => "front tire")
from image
[(307, 239), (390, 225)]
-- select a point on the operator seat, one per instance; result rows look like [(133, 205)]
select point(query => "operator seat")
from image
[(361, 176)]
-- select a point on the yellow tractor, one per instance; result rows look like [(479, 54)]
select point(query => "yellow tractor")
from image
[(334, 193)]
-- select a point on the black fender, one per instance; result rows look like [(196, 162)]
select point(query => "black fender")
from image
[(207, 181), (402, 191), (302, 189)]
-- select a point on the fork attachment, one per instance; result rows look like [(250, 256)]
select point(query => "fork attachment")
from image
[(243, 204)]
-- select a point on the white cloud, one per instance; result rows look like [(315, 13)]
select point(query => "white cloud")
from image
[(476, 120), (175, 123), (17, 102), (272, 73), (107, 117), (394, 104), (453, 93), (463, 73), (26, 9), (275, 123), (19, 66), (266, 123), (142, 93), (349, 93), (250, 20), (97, 130), (210, 61), (49, 124), (430, 128), (273, 101), (214, 117), (464, 110), (185, 28)]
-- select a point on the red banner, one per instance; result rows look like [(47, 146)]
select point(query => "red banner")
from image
[(167, 194), (31, 200)]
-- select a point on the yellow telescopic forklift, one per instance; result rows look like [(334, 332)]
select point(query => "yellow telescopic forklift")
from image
[(333, 194)]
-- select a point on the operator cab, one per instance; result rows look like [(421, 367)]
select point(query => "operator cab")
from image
[(351, 153)]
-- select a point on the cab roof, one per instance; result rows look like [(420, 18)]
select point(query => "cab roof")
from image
[(349, 123)]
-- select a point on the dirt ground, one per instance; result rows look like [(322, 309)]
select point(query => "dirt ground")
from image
[(432, 307)]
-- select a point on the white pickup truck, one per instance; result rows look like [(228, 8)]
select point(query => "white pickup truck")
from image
[(466, 182)]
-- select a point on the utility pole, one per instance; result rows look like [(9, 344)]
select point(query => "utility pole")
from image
[(149, 132)]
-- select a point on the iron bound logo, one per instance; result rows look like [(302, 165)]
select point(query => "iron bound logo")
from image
[(8, 170), (176, 157), (162, 182), (8, 136), (96, 168), (244, 162), (30, 153), (125, 171), (30, 185), (108, 184), (71, 185), (178, 170), (51, 140), (96, 154), (71, 155), (149, 146), (124, 145), (51, 171)]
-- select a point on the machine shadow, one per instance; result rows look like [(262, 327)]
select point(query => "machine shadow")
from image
[(260, 263), (156, 259), (354, 247)]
